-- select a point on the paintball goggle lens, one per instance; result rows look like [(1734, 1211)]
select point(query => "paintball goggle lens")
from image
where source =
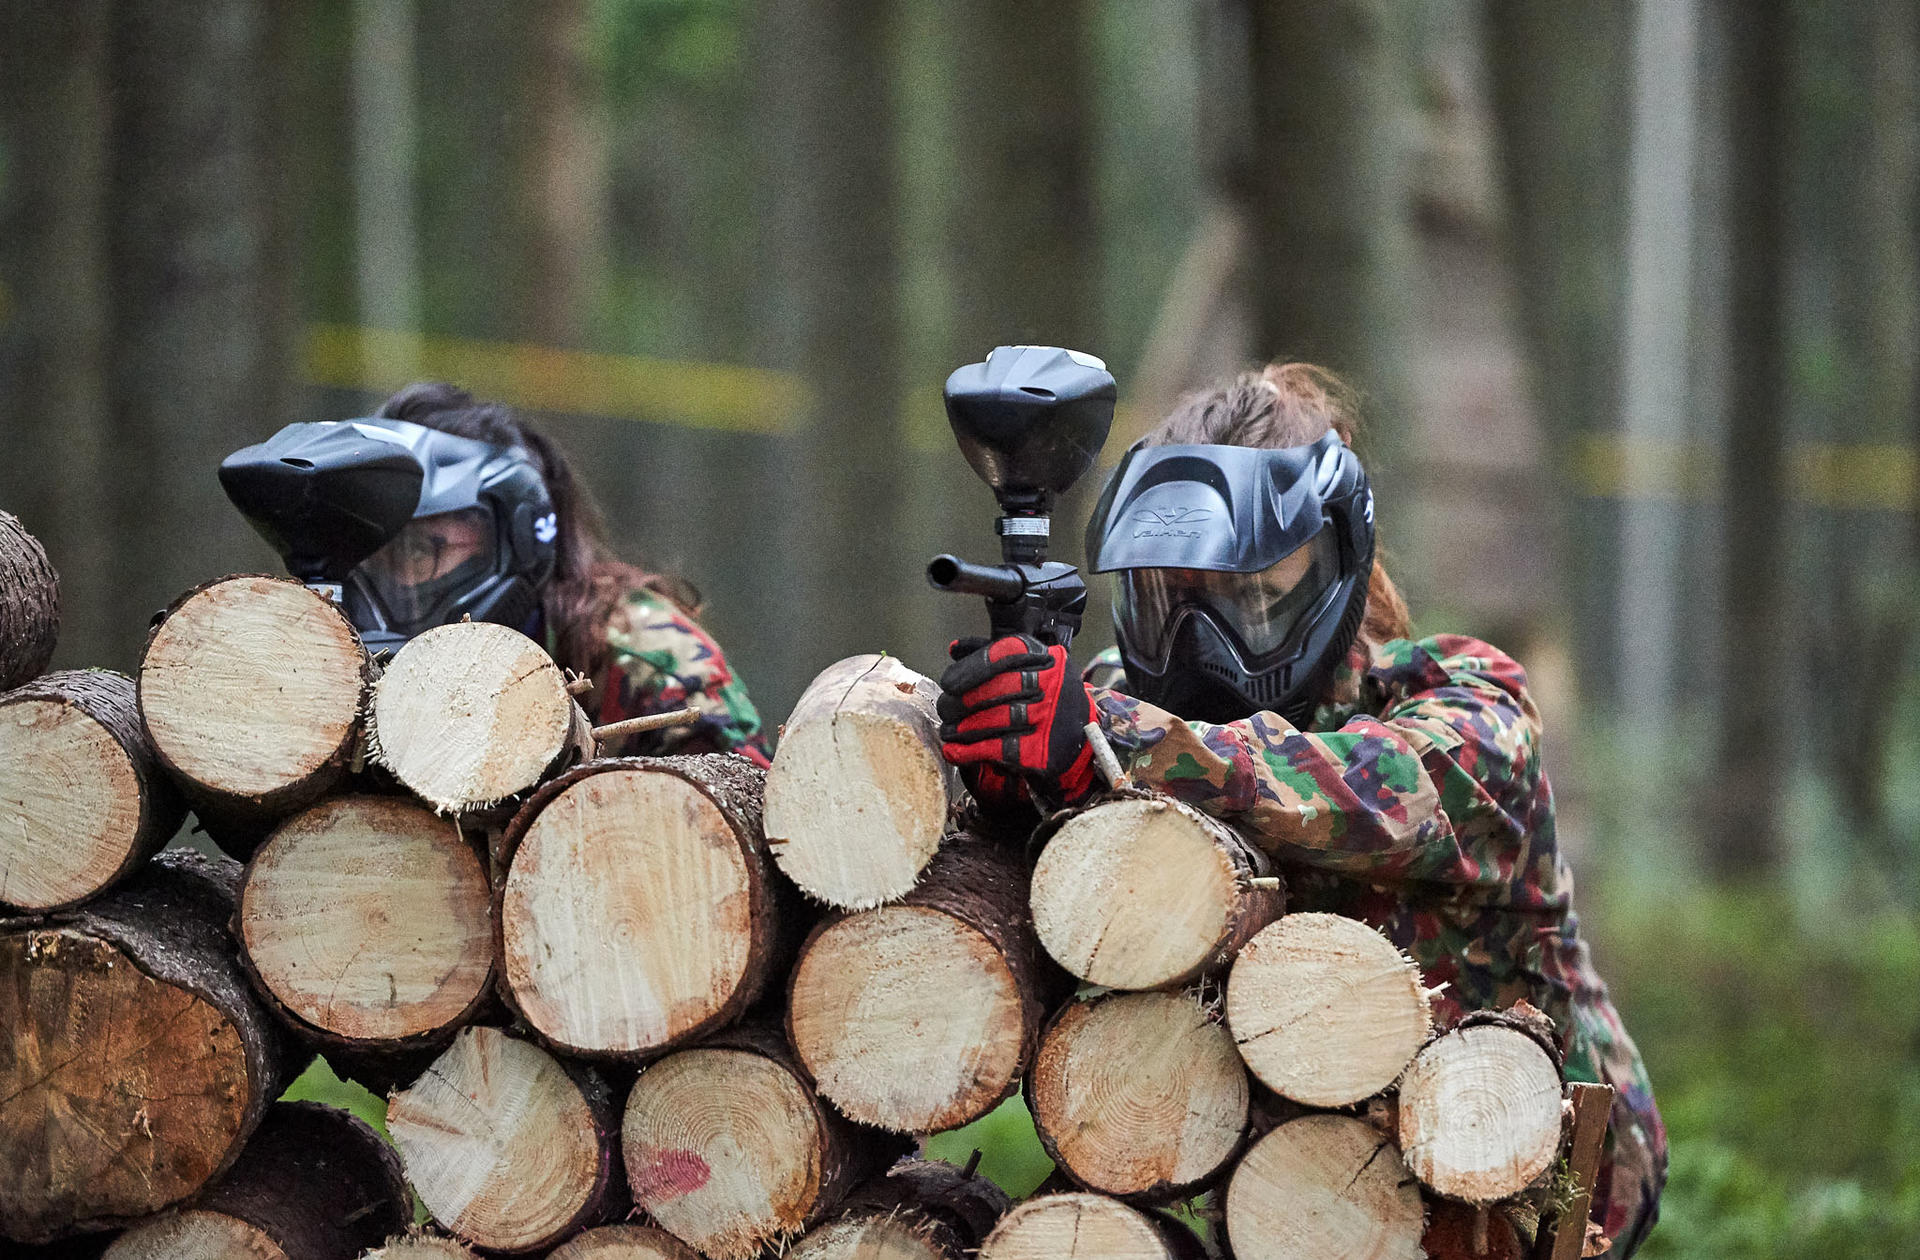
[(431, 557), (1261, 609)]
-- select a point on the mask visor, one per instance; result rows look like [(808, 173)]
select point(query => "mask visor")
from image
[(1261, 609), (431, 560)]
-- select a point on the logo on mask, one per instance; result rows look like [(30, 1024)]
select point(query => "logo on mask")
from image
[(1161, 522), (547, 528)]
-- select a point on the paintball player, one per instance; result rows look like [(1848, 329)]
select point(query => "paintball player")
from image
[(502, 531), (1267, 673)]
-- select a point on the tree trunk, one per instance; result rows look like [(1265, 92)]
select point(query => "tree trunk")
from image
[(55, 123), (29, 605), (1480, 1113), (638, 909), (471, 714), (507, 1146), (315, 1183), (920, 1016), (251, 690), (138, 1060), (1745, 843), (1144, 892), (205, 331), (1327, 1188), (1139, 1095), (1325, 1010), (82, 799), (369, 922), (919, 1210), (1332, 195), (859, 796), (1088, 1227), (729, 1148)]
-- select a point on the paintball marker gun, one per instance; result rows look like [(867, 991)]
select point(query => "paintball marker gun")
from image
[(1030, 420)]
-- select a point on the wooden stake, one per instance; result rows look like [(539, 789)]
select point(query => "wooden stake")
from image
[(1104, 758), (468, 715), (641, 725), (1139, 1094), (1088, 1227), (83, 801), (729, 1149), (1324, 1187), (136, 1060), (859, 795), (314, 1182), (920, 1016), (506, 1146), (1144, 892), (638, 911), (1564, 1237), (1325, 1010), (251, 690), (29, 605), (368, 919), (1480, 1112)]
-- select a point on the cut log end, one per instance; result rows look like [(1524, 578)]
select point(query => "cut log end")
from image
[(420, 1247), (470, 714), (251, 690), (195, 1235), (874, 1238), (1147, 893), (82, 800), (728, 1149), (858, 797), (635, 913), (369, 919), (623, 1242), (1085, 1227), (1480, 1113), (1139, 1094), (908, 1018), (29, 605), (500, 1142), (1325, 1010), (1324, 1188)]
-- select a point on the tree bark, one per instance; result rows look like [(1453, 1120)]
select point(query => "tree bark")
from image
[(1325, 1010), (83, 800), (507, 1146), (1328, 1187), (368, 922), (638, 910), (29, 605), (919, 1210), (1139, 1095), (1080, 1226), (729, 1148), (315, 1183), (251, 689), (859, 796), (920, 1016), (473, 714), (139, 1061), (1144, 892)]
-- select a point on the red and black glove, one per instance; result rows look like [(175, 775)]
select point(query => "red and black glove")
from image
[(1017, 706)]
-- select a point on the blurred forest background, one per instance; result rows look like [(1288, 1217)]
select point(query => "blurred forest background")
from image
[(1633, 291)]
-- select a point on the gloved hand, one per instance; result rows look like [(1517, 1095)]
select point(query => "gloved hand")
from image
[(1018, 706)]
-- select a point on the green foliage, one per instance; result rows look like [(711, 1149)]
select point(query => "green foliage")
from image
[(319, 1084), (1786, 1058)]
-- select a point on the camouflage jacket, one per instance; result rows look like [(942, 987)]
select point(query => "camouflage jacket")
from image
[(1416, 801), (663, 660)]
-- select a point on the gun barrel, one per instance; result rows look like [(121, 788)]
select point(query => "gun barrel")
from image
[(995, 581)]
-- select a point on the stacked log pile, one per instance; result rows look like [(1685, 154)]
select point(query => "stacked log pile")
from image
[(670, 1007)]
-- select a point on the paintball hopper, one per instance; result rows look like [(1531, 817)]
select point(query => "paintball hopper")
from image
[(326, 496), (1030, 420)]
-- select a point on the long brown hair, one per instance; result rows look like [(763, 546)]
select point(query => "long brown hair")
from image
[(588, 579), (1286, 404)]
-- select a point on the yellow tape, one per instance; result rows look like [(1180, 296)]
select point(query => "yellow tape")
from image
[(543, 378), (1849, 476)]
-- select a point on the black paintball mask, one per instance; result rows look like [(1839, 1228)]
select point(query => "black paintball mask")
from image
[(1243, 573), (406, 526)]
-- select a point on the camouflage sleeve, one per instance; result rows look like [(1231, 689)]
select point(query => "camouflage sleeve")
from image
[(1431, 788), (663, 660)]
